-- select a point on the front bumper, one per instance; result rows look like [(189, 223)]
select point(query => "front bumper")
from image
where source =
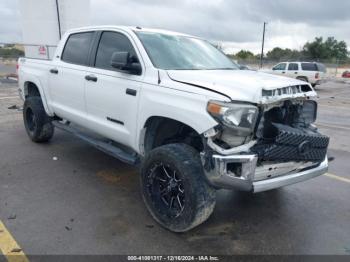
[(220, 172)]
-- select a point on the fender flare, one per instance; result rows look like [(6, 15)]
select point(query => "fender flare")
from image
[(37, 83)]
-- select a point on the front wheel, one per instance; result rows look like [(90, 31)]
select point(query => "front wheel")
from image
[(174, 187), (37, 123)]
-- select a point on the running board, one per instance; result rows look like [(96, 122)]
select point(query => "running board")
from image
[(112, 150)]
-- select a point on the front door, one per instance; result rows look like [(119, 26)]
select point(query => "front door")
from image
[(279, 69), (112, 95)]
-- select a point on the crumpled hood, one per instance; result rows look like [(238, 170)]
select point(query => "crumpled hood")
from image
[(239, 85)]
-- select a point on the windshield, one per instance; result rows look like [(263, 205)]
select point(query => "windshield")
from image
[(174, 52)]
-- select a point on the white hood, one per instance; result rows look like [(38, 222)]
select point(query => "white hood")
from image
[(239, 85)]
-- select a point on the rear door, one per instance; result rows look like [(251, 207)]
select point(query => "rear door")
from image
[(293, 70), (112, 96), (66, 81), (310, 70)]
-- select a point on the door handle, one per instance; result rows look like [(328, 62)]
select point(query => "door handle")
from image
[(53, 71), (283, 72), (296, 73), (91, 78), (131, 92)]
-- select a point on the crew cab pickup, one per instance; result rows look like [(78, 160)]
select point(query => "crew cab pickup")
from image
[(180, 109)]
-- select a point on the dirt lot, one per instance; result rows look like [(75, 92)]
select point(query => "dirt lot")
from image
[(66, 197)]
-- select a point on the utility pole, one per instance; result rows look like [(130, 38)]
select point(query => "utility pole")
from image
[(262, 47), (58, 19)]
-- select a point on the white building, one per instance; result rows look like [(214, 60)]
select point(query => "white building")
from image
[(44, 21)]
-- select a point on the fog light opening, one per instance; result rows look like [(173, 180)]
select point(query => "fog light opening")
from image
[(235, 169)]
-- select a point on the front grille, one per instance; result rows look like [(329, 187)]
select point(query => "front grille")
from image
[(288, 90), (291, 144)]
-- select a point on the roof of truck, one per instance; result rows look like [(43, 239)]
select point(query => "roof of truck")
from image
[(127, 28)]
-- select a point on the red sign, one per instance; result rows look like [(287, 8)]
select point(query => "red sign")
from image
[(42, 50)]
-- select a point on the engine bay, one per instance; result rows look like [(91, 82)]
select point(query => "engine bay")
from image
[(286, 133)]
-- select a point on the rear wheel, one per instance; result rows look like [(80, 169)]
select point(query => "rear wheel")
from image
[(174, 187), (37, 123)]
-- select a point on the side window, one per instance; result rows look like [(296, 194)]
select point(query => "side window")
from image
[(111, 42), (76, 50), (281, 66), (276, 67), (309, 66), (321, 67), (293, 67)]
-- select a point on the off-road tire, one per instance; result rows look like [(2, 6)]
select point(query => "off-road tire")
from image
[(37, 123), (199, 197)]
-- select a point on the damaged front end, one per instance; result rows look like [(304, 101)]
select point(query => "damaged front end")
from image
[(276, 146)]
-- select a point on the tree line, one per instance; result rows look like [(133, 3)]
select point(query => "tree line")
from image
[(10, 51), (319, 49)]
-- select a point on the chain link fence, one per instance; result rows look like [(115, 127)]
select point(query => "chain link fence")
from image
[(9, 54), (8, 66)]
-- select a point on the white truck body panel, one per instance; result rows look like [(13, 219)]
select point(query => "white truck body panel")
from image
[(244, 85)]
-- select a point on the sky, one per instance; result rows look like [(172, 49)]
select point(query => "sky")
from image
[(236, 23)]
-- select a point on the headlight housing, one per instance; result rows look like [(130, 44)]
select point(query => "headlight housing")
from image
[(239, 117)]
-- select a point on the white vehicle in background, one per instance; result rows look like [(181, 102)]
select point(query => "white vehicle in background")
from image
[(311, 72)]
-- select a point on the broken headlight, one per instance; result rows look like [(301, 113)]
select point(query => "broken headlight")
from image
[(239, 117), (309, 111)]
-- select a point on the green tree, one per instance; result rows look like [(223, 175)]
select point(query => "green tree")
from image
[(10, 52), (330, 49), (244, 54), (278, 54)]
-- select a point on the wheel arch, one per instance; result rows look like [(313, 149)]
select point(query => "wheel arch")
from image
[(32, 87), (160, 130), (303, 77)]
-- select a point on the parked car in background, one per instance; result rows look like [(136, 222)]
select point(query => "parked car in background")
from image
[(346, 74), (311, 72)]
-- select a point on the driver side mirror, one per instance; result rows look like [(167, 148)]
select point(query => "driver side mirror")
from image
[(124, 61)]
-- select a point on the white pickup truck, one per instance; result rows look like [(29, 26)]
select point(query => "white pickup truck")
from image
[(181, 110)]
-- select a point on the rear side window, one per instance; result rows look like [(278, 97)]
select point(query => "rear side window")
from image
[(112, 42), (77, 48), (293, 67), (309, 66), (321, 67)]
